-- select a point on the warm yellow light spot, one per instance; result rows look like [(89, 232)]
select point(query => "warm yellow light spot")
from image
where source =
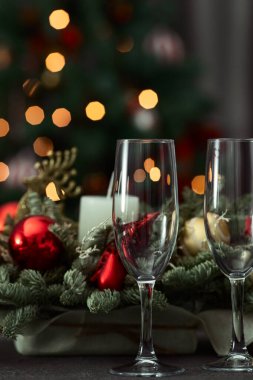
[(55, 62), (34, 115), (59, 19), (149, 163), (168, 180), (148, 99), (210, 173), (4, 127), (155, 174), (4, 172), (43, 146), (125, 45), (139, 175), (51, 192), (198, 184), (61, 117), (95, 111)]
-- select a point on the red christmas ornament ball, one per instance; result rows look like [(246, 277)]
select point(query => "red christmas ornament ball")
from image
[(33, 246)]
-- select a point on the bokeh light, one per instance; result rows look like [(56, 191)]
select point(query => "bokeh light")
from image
[(168, 180), (95, 111), (4, 172), (59, 19), (5, 57), (55, 62), (30, 86), (139, 175), (51, 192), (34, 115), (155, 174), (4, 127), (125, 45), (148, 99), (198, 184), (49, 79), (61, 117), (149, 163), (43, 146)]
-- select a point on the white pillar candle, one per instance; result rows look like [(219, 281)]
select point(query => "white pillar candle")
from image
[(95, 210)]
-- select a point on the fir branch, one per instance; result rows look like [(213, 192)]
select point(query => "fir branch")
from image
[(130, 296), (16, 320), (181, 279), (54, 292), (160, 301), (36, 284), (6, 272), (103, 301), (15, 294), (191, 261), (76, 291)]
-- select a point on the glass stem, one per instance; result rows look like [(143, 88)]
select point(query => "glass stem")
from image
[(146, 349), (237, 294)]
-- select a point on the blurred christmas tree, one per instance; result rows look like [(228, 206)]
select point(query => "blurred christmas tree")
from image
[(87, 74)]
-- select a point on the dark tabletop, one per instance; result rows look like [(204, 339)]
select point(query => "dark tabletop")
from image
[(16, 366)]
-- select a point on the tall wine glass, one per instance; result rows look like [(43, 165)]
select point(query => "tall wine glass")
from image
[(228, 212), (145, 219)]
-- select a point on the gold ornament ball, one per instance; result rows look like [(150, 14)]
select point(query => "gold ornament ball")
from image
[(194, 236), (219, 228)]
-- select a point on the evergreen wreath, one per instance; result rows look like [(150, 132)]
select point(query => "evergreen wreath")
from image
[(192, 282)]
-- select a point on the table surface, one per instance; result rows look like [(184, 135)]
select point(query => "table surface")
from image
[(14, 365)]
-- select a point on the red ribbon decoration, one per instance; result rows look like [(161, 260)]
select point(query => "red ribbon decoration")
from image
[(110, 272)]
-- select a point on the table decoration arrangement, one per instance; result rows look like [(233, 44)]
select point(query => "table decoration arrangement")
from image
[(62, 296)]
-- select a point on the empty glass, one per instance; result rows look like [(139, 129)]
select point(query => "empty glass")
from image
[(145, 219), (228, 212)]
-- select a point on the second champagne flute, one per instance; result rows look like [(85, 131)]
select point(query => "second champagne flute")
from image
[(228, 213), (145, 219)]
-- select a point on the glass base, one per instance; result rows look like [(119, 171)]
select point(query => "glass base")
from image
[(232, 363), (146, 368)]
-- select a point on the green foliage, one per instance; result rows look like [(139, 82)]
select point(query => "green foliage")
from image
[(15, 321), (103, 301), (192, 282)]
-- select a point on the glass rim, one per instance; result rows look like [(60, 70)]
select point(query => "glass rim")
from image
[(146, 140), (231, 139)]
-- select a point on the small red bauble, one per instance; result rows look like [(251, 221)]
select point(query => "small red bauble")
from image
[(33, 246), (110, 272)]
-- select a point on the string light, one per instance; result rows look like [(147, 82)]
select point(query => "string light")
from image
[(59, 19), (95, 111), (34, 115), (43, 146), (51, 192), (4, 127), (148, 99), (4, 172), (55, 62), (155, 174), (139, 175), (61, 117), (168, 180), (198, 184), (149, 163)]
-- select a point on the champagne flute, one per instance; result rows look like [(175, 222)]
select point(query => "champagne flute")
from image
[(145, 220), (228, 214)]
